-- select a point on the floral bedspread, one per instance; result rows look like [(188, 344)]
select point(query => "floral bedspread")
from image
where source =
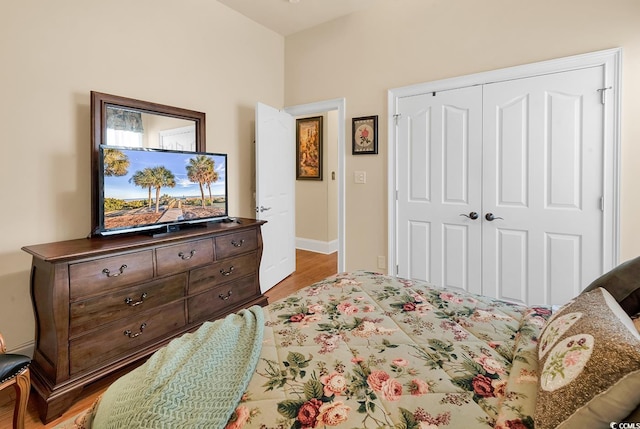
[(364, 350)]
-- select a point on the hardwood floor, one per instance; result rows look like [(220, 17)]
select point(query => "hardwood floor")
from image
[(310, 267)]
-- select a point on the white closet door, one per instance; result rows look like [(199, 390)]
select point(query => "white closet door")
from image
[(543, 174), (439, 158)]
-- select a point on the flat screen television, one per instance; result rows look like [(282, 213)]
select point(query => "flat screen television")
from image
[(157, 190)]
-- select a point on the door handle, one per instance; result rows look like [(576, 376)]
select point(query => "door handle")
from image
[(262, 209), (471, 215), (490, 217)]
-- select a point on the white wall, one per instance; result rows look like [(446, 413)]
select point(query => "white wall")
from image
[(195, 54), (403, 42)]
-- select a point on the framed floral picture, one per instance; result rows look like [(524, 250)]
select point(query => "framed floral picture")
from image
[(365, 135), (309, 148)]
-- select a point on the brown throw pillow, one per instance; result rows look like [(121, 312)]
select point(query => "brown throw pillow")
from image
[(589, 365), (623, 283)]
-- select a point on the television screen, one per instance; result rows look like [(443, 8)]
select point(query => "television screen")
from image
[(144, 189)]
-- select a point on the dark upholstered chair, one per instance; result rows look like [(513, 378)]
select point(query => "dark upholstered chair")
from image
[(623, 283), (14, 371)]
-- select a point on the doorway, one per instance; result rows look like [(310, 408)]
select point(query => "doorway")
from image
[(316, 200), (275, 184), (337, 109)]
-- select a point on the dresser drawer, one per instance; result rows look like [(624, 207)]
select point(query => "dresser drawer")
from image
[(181, 257), (221, 272), (124, 337), (235, 244), (221, 298), (104, 274), (103, 309)]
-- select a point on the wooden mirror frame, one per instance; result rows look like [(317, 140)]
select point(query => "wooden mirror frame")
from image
[(99, 103)]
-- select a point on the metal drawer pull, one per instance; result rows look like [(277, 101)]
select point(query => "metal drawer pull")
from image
[(130, 334), (225, 297), (129, 301), (226, 273), (237, 243), (109, 274), (189, 256)]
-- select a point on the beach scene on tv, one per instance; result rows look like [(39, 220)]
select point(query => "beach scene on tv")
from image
[(145, 187)]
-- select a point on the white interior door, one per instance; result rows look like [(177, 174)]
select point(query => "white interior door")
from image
[(275, 193), (543, 175), (439, 160)]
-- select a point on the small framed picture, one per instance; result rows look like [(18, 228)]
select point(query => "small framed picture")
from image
[(309, 148), (365, 135)]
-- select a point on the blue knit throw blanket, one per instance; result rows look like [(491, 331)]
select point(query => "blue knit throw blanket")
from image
[(196, 381)]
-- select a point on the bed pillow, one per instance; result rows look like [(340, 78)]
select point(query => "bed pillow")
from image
[(589, 364), (623, 283)]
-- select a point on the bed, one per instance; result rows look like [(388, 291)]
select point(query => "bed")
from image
[(366, 350)]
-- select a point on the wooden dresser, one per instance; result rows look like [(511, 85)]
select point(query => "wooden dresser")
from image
[(103, 303)]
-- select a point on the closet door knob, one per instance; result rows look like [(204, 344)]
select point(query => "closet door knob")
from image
[(490, 217), (471, 215)]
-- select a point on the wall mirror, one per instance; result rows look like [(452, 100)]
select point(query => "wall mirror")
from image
[(121, 121)]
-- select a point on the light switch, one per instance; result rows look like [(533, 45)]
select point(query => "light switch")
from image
[(360, 177)]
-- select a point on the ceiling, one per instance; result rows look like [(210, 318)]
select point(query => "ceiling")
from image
[(286, 17)]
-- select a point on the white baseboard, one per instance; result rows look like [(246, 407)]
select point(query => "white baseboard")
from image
[(25, 349), (326, 247)]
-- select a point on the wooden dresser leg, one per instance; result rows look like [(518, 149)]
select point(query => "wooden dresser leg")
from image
[(22, 386), (55, 403)]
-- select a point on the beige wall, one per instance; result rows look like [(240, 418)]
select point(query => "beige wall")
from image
[(196, 54), (403, 42), (332, 180)]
